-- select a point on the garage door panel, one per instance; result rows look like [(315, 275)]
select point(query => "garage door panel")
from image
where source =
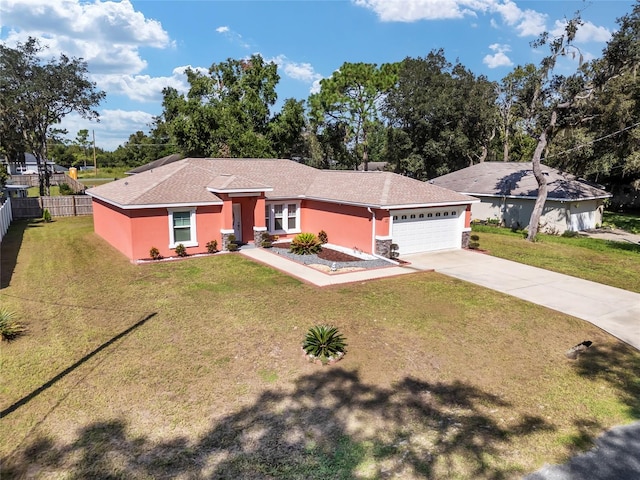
[(424, 233)]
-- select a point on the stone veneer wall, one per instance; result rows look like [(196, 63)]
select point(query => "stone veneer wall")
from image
[(465, 239), (225, 239), (383, 247), (259, 236)]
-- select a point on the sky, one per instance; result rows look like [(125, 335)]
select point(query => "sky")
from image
[(135, 48)]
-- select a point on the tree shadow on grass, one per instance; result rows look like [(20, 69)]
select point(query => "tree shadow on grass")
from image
[(10, 247), (618, 364), (330, 426)]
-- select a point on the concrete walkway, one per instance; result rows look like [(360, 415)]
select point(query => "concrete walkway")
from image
[(614, 310)]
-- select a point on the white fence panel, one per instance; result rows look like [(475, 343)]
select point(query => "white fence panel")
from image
[(5, 217)]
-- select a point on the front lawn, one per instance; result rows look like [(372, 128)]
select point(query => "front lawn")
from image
[(194, 369), (603, 261), (623, 221)]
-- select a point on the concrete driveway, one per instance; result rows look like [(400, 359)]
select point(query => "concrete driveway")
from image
[(614, 310)]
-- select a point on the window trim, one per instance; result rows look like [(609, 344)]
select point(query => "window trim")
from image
[(192, 227), (285, 216)]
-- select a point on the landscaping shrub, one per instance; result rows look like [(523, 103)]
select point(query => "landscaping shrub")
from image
[(569, 234), (10, 328), (232, 246), (267, 241), (305, 244), (65, 189), (181, 251), (46, 215), (212, 246), (323, 237), (324, 343), (154, 253), (393, 251), (474, 242)]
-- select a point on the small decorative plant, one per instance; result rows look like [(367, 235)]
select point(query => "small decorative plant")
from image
[(474, 242), (181, 251), (46, 215), (212, 246), (324, 343), (323, 237), (154, 253), (65, 189), (393, 251), (267, 241), (305, 244), (10, 328), (232, 246)]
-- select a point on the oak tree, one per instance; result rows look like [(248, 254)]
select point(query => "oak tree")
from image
[(35, 95)]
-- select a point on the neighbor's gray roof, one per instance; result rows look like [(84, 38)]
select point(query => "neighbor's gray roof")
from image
[(515, 179), (155, 164), (197, 180)]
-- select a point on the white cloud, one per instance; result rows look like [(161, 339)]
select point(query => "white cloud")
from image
[(233, 37), (413, 10), (587, 32), (525, 22), (106, 34), (144, 88), (298, 71), (114, 127), (499, 58)]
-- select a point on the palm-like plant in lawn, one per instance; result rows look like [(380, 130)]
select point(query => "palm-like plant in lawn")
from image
[(325, 343)]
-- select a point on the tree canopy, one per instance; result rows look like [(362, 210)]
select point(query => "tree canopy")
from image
[(34, 97), (443, 115), (227, 112), (349, 105)]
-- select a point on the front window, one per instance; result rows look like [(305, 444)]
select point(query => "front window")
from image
[(182, 228), (283, 217)]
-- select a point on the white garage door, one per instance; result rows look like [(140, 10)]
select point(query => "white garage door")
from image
[(425, 230)]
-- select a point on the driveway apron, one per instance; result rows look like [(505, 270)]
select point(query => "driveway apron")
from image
[(614, 310)]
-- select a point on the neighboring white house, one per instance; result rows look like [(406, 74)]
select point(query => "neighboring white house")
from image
[(508, 190), (30, 166)]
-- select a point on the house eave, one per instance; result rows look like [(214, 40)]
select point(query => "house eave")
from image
[(373, 205), (530, 197), (239, 190), (153, 205)]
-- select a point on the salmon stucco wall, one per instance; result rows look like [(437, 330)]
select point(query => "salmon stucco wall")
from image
[(134, 232), (150, 228), (114, 226), (346, 225), (249, 219)]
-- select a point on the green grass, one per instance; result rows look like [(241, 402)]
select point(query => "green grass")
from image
[(194, 369), (54, 191), (602, 261), (116, 172), (623, 221)]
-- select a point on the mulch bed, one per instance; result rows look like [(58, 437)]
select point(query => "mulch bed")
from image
[(325, 254)]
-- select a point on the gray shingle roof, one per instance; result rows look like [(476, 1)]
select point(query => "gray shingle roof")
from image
[(195, 181), (515, 179), (155, 164)]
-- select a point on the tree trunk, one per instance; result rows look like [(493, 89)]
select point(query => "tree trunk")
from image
[(534, 222), (505, 149)]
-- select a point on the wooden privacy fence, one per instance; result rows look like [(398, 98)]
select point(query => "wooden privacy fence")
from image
[(31, 180), (5, 217), (64, 206)]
